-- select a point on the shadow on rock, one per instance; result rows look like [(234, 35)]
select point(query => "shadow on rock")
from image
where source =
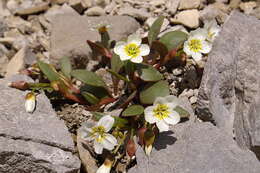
[(164, 138)]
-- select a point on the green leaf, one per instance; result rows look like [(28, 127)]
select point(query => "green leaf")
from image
[(152, 91), (65, 66), (118, 75), (90, 98), (155, 29), (49, 71), (89, 78), (133, 110), (116, 63), (174, 39), (98, 92), (119, 122), (183, 113), (97, 115), (149, 73)]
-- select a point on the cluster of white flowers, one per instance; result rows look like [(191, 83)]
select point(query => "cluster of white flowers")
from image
[(132, 50), (162, 112), (99, 134), (200, 40)]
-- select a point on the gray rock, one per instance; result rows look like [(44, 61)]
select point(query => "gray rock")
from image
[(140, 14), (193, 148), (189, 4), (78, 29), (217, 11), (229, 93), (37, 142), (172, 6), (33, 9), (21, 59), (189, 18), (95, 11)]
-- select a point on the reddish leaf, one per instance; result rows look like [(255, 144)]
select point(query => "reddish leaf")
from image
[(97, 48)]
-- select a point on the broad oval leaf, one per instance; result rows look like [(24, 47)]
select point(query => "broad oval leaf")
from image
[(89, 78), (152, 91), (133, 110), (65, 66), (98, 92), (182, 112), (174, 39), (116, 63), (149, 73), (155, 29), (49, 71), (90, 98)]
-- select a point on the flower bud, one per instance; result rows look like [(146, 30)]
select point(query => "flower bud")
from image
[(105, 167), (131, 148), (141, 132), (55, 85), (22, 85), (30, 102), (148, 141)]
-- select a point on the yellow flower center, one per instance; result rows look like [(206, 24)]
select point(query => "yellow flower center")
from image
[(195, 45), (132, 50), (98, 132), (161, 111)]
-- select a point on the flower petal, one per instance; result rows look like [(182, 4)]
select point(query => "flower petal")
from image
[(30, 105), (162, 126), (160, 100), (197, 56), (137, 59), (148, 115), (144, 50), (172, 101), (84, 133), (173, 118), (107, 122), (98, 147), (134, 38), (206, 47), (109, 142), (104, 169), (199, 33), (186, 48), (119, 47)]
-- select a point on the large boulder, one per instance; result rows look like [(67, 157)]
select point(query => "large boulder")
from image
[(37, 142), (196, 148), (229, 94), (70, 33)]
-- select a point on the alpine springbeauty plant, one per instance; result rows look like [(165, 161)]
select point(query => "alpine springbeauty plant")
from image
[(143, 97)]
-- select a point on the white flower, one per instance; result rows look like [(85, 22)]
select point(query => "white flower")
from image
[(99, 134), (105, 167), (197, 44), (132, 50), (30, 102), (162, 113), (212, 29)]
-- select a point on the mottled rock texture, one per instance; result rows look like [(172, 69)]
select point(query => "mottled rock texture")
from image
[(229, 93), (32, 143)]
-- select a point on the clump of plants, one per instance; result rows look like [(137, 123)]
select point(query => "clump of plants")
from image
[(137, 62)]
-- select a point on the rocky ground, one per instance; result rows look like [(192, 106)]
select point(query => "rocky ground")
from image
[(227, 94)]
